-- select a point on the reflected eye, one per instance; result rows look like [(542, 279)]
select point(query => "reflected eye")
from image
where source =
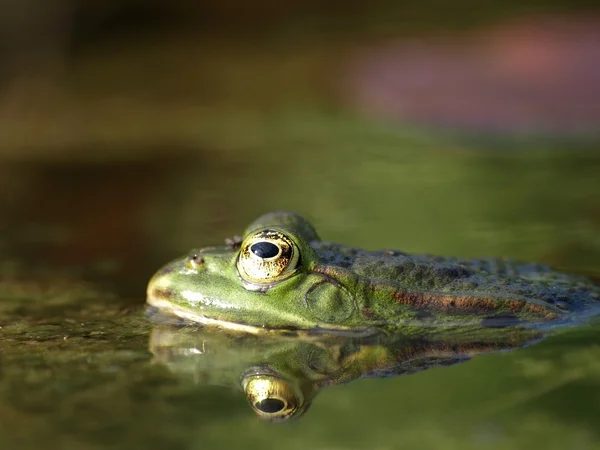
[(271, 397), (270, 405), (267, 256)]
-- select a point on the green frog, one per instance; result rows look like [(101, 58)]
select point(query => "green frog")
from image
[(281, 276)]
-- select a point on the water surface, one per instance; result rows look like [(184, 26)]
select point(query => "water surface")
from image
[(80, 240)]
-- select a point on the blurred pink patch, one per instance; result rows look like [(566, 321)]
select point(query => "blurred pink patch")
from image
[(531, 76)]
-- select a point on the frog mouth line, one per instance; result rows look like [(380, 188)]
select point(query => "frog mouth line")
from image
[(169, 308)]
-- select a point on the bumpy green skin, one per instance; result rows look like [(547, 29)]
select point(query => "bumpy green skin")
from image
[(343, 288)]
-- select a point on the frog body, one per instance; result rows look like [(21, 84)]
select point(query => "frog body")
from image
[(282, 276)]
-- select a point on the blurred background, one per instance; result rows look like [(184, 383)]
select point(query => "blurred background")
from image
[(85, 72), (134, 130), (148, 124)]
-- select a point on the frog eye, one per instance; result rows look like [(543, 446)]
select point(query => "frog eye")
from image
[(271, 398), (267, 256)]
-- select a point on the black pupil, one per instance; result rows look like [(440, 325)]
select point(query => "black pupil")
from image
[(264, 249), (270, 405)]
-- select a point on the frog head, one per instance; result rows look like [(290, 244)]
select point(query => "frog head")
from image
[(267, 279)]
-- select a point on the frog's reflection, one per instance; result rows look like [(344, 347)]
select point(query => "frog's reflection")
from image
[(281, 374)]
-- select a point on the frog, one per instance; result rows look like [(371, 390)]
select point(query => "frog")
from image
[(280, 276)]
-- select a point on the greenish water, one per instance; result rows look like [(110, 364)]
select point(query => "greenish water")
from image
[(80, 240)]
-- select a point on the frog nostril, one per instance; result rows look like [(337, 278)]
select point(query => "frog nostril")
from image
[(196, 259)]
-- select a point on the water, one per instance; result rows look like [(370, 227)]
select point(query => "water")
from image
[(79, 364)]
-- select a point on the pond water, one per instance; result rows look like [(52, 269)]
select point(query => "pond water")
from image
[(81, 366)]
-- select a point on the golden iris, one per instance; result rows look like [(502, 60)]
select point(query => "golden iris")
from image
[(271, 397), (267, 256)]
